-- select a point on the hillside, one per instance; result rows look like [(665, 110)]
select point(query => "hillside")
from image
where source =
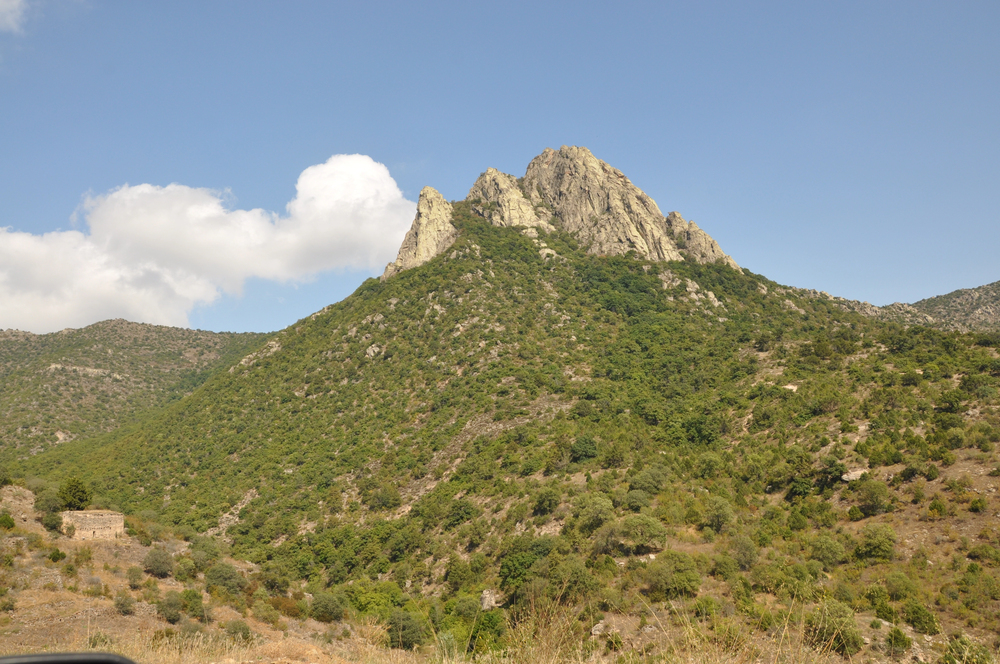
[(965, 309), (635, 431), (78, 383)]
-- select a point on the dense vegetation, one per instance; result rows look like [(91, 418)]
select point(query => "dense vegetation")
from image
[(602, 433), (79, 383)]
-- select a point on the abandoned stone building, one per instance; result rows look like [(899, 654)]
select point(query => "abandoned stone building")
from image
[(94, 524)]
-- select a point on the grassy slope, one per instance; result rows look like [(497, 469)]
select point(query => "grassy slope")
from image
[(493, 419), (79, 383)]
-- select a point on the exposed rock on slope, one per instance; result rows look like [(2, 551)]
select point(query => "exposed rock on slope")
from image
[(572, 189), (496, 197), (430, 234), (599, 205)]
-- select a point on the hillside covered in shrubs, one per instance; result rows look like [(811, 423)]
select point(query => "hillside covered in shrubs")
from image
[(609, 435)]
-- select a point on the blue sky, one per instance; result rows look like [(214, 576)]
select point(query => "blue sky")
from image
[(847, 147)]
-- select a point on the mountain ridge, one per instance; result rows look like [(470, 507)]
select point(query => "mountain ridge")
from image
[(574, 191)]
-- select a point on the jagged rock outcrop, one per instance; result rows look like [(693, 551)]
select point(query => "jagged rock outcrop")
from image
[(698, 244), (599, 205), (496, 197), (576, 191), (431, 233)]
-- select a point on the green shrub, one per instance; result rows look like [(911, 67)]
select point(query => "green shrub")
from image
[(266, 613), (194, 605), (899, 585), (878, 543), (831, 627), (6, 521), (404, 630), (74, 494), (546, 502), (327, 607), (920, 618), (239, 631), (124, 604), (673, 574), (134, 576), (170, 607), (896, 642), (185, 570), (224, 577), (159, 563), (828, 551), (744, 552), (52, 521)]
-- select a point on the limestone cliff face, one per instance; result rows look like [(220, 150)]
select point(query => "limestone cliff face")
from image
[(431, 233), (599, 205), (496, 197), (574, 190)]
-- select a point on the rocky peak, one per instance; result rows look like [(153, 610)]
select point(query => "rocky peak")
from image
[(497, 198), (602, 207), (430, 234), (574, 190)]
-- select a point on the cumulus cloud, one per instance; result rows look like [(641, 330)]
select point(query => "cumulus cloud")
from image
[(152, 253), (12, 15)]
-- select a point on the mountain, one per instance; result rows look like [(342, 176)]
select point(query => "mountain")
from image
[(965, 309), (79, 383), (558, 394), (570, 190)]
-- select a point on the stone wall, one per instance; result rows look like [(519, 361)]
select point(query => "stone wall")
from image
[(95, 524)]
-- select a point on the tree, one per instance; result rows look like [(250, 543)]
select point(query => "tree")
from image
[(74, 494), (405, 631), (170, 607), (225, 577), (134, 576), (327, 607), (878, 542), (158, 563)]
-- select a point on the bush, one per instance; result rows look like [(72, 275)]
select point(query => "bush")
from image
[(185, 570), (238, 631), (52, 521), (74, 494), (134, 576), (6, 521), (963, 650), (582, 449), (158, 563), (266, 613), (878, 543), (920, 618), (831, 626), (405, 630), (546, 502), (673, 574), (744, 552), (225, 577), (828, 551), (718, 514), (124, 604), (327, 607), (170, 607), (194, 605), (896, 643), (899, 586)]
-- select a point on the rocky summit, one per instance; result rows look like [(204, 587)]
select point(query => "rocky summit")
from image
[(567, 189)]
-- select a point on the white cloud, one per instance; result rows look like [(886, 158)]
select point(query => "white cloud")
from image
[(12, 15), (153, 253)]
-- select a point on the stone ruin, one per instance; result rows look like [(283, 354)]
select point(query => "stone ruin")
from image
[(94, 524)]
